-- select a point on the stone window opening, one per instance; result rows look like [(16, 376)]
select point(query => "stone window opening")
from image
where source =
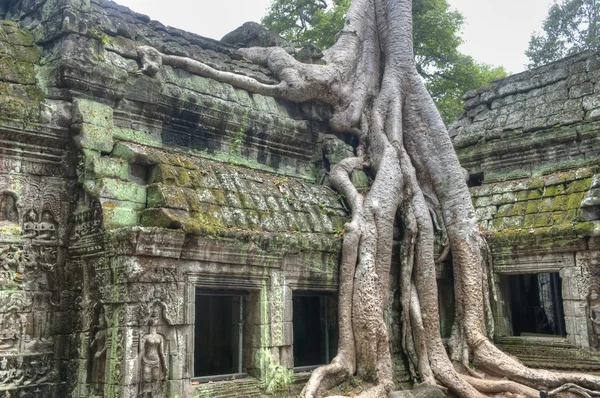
[(314, 329), (219, 335), (536, 305), (475, 179)]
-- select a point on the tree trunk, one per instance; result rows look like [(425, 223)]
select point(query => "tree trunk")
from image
[(371, 81)]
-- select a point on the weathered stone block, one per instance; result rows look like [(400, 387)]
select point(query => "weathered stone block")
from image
[(575, 308), (286, 356), (581, 90), (110, 188), (160, 195), (160, 243), (591, 102), (169, 175), (94, 137), (256, 336), (94, 113), (102, 166), (120, 214)]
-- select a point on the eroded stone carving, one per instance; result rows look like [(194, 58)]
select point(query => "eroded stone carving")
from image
[(87, 223), (590, 206), (13, 334), (152, 352), (151, 60), (42, 302), (99, 346), (14, 262), (43, 229), (8, 207), (32, 373), (594, 314)]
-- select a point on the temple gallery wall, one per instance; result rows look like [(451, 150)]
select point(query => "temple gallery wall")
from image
[(171, 236)]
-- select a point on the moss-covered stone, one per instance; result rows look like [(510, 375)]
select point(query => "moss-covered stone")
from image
[(116, 189), (578, 186), (160, 195), (91, 112), (538, 220), (102, 166), (18, 54), (169, 175), (120, 214)]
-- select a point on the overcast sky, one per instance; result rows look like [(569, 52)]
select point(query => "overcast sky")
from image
[(496, 31)]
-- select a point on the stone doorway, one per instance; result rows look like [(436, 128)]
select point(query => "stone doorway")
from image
[(314, 337), (218, 333), (537, 304)]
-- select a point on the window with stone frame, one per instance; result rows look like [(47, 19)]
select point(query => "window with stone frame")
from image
[(535, 304), (219, 334), (314, 328)]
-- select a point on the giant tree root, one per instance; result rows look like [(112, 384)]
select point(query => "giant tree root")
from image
[(376, 94)]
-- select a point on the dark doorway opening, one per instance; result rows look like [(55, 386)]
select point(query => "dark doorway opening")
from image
[(537, 305), (315, 328), (475, 179), (219, 330)]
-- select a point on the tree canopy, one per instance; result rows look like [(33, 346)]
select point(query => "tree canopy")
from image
[(436, 29), (570, 27)]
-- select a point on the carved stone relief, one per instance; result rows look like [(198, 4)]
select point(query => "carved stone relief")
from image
[(9, 207), (24, 371), (16, 262), (594, 314), (590, 206), (153, 351), (98, 348)]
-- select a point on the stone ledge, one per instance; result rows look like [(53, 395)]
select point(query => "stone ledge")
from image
[(549, 353)]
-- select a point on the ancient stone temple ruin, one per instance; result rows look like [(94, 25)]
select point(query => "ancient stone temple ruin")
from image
[(166, 235)]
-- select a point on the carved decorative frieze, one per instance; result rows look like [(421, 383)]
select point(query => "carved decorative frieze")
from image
[(24, 371)]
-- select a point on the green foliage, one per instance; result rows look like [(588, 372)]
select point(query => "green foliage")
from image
[(307, 21), (448, 86), (570, 27), (448, 73)]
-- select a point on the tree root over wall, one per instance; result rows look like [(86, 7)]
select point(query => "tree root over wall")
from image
[(371, 81)]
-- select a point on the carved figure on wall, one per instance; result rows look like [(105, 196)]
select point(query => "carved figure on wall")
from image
[(19, 374), (48, 257), (13, 263), (42, 304), (13, 330), (8, 208), (42, 229), (594, 314), (87, 223), (40, 372), (29, 221), (46, 228), (4, 372), (153, 362), (99, 346)]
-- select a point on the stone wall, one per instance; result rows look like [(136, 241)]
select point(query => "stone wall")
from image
[(534, 122), (531, 145), (38, 300), (121, 194)]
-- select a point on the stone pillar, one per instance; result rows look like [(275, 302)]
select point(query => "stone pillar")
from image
[(575, 292)]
